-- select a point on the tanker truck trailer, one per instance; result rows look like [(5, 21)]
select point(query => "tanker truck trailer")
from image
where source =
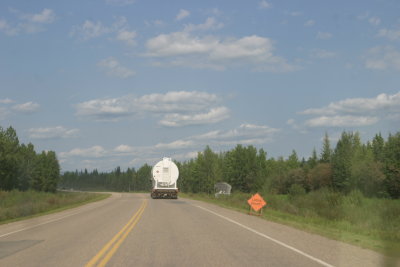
[(164, 176)]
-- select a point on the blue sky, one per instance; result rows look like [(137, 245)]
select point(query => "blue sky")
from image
[(111, 83)]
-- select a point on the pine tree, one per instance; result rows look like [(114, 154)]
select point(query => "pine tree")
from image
[(326, 154), (378, 146)]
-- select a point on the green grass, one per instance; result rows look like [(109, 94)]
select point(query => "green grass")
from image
[(16, 205), (368, 223)]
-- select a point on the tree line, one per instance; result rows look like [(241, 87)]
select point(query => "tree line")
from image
[(372, 168), (116, 180), (21, 168)]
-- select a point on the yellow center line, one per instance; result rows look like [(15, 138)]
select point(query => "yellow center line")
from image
[(117, 240)]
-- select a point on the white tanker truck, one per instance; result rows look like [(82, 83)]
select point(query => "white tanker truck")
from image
[(164, 176)]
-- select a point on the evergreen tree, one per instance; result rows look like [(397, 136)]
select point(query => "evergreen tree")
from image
[(392, 165), (326, 154), (293, 160), (342, 161), (9, 148), (26, 166), (313, 160), (378, 146), (207, 170), (144, 178)]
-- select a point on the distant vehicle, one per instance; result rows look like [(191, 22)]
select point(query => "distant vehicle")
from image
[(164, 177)]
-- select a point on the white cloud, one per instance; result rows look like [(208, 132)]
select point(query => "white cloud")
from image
[(294, 13), (177, 108), (382, 102), (126, 37), (124, 149), (95, 29), (296, 126), (210, 24), (390, 34), (375, 21), (181, 149), (52, 133), (114, 68), (341, 121), (6, 28), (324, 35), (27, 23), (244, 134), (176, 102), (182, 14), (184, 49), (177, 44), (157, 23), (309, 23), (6, 101), (90, 29), (179, 144), (92, 152), (46, 16), (264, 4), (28, 107), (355, 111), (213, 116), (382, 58), (185, 156), (106, 109), (322, 54)]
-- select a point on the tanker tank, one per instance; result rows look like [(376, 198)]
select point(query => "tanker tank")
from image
[(164, 179)]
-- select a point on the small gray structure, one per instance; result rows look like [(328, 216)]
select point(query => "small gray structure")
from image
[(222, 189)]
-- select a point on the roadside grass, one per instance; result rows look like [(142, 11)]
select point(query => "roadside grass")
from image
[(16, 205), (366, 222)]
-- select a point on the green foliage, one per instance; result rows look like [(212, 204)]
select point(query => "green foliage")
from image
[(143, 178), (16, 204), (313, 160), (9, 145), (245, 168), (368, 222), (372, 168), (326, 154), (293, 161), (117, 180), (392, 165), (342, 158), (320, 176), (295, 191), (21, 168)]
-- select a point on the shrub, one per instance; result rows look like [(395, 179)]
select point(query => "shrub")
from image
[(296, 190), (327, 204)]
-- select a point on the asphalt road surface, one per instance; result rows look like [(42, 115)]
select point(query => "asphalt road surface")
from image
[(135, 230)]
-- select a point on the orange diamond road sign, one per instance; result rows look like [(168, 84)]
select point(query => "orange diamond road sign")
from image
[(256, 202)]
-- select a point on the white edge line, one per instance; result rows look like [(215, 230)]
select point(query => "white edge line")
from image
[(43, 223), (268, 237), (37, 225)]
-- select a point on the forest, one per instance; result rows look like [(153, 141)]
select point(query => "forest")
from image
[(372, 168), (21, 168)]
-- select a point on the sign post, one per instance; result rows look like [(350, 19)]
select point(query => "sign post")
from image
[(256, 203)]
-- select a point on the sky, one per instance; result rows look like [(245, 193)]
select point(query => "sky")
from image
[(110, 83)]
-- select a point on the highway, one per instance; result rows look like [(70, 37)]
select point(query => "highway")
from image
[(135, 230)]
